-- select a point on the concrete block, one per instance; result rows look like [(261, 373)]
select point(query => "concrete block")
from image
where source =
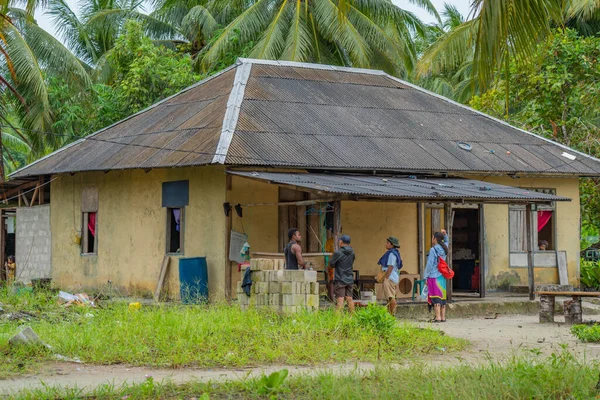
[(238, 287), (257, 276), (274, 287), (263, 287), (264, 264), (310, 276), (314, 288), (312, 300), (299, 299), (275, 299), (287, 299), (253, 264), (287, 287)]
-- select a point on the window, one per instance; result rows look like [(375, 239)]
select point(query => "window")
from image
[(89, 237), (89, 220), (174, 230), (544, 226)]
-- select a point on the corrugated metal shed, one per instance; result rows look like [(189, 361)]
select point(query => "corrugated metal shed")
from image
[(406, 188), (271, 113)]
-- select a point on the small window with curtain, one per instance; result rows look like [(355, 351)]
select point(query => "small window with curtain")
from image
[(89, 221), (544, 226), (175, 196)]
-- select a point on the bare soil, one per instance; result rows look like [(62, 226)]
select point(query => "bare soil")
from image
[(500, 338)]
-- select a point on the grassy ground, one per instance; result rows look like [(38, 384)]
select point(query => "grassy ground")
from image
[(557, 377), (216, 336), (587, 333)]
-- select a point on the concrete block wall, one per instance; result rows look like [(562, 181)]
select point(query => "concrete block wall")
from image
[(33, 243), (284, 291)]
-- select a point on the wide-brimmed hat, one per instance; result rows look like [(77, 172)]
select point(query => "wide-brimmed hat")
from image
[(394, 241)]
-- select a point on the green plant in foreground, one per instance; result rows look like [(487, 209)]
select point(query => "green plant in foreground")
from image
[(559, 376), (590, 274), (586, 333), (379, 321)]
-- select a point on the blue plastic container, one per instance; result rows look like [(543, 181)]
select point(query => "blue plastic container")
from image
[(193, 280)]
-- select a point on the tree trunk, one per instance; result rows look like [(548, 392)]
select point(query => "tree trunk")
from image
[(2, 180), (546, 309), (572, 310)]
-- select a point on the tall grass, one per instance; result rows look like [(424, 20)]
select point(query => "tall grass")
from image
[(559, 376), (207, 336)]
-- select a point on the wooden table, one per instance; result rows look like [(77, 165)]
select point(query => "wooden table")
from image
[(572, 308)]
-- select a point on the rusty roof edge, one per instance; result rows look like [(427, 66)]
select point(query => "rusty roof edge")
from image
[(208, 78), (232, 112)]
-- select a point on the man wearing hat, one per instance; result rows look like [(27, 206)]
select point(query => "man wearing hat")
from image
[(390, 264), (342, 262)]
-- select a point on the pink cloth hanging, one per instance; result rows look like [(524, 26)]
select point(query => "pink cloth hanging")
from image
[(543, 219), (92, 223)]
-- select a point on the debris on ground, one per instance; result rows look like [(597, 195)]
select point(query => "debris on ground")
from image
[(18, 316), (27, 337), (60, 357), (80, 299)]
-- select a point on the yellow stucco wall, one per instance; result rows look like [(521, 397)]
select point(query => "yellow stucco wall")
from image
[(260, 223), (567, 233), (370, 223), (131, 227)]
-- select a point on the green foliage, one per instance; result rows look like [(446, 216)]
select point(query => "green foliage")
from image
[(590, 274), (556, 95), (146, 73), (590, 234), (558, 376), (270, 385), (587, 333), (377, 319), (206, 336)]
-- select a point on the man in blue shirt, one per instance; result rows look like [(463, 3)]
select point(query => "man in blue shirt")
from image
[(390, 263)]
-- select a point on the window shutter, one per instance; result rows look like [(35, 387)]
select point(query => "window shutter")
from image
[(175, 194)]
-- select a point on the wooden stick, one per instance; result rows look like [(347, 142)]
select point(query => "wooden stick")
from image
[(161, 277)]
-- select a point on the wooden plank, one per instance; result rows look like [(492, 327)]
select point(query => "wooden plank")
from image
[(35, 193), (19, 197), (561, 260), (301, 224), (228, 264), (337, 224), (89, 199), (283, 227), (420, 238), (84, 233), (569, 294), (161, 277), (529, 234), (482, 259), (42, 191), (3, 271), (25, 200)]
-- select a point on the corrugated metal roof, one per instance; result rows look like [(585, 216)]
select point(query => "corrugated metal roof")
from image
[(406, 188), (261, 112)]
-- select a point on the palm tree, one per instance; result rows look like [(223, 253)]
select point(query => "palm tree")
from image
[(360, 33), (30, 54), (500, 30)]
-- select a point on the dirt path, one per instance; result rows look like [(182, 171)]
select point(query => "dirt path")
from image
[(501, 338)]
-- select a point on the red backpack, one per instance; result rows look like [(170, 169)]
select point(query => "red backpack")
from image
[(444, 268)]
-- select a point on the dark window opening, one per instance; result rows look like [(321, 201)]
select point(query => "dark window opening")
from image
[(89, 233), (174, 230)]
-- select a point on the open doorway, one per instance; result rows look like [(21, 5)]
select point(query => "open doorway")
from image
[(466, 245)]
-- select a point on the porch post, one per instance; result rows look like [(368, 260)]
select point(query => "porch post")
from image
[(448, 227), (3, 271), (529, 233), (337, 224), (420, 238)]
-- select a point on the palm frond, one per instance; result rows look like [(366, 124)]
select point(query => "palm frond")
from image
[(335, 27), (272, 42), (298, 44), (199, 19), (246, 27)]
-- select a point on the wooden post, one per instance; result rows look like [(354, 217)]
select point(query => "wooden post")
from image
[(228, 272), (482, 261), (572, 311), (546, 309), (448, 226), (337, 224), (41, 194), (529, 233), (3, 271), (420, 238)]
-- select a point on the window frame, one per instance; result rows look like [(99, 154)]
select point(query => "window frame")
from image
[(181, 231), (534, 222), (85, 218)]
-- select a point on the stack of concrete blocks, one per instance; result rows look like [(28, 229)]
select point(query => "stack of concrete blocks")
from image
[(284, 291)]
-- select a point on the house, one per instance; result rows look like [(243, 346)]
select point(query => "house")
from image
[(267, 145)]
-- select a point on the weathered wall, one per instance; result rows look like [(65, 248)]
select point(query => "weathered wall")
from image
[(499, 273), (33, 243), (370, 223), (260, 223), (131, 225)]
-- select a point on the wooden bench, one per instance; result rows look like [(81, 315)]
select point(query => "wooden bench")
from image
[(572, 308)]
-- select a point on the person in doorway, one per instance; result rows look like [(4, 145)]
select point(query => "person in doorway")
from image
[(543, 245), (390, 264), (11, 268), (293, 251), (342, 262), (436, 283)]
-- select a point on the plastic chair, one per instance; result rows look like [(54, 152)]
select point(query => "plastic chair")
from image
[(420, 283)]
